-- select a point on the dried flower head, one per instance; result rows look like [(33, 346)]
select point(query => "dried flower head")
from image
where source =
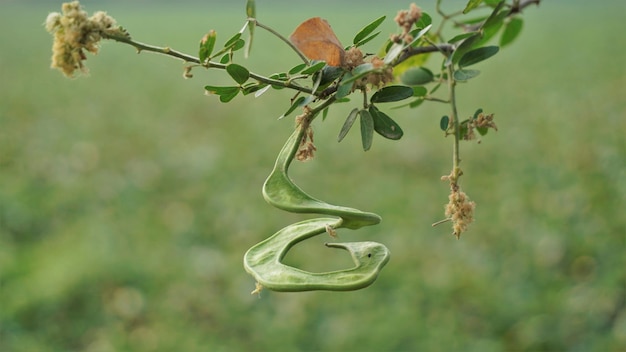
[(481, 121), (353, 58), (485, 121), (405, 20), (307, 147), (74, 33), (257, 289), (460, 210), (383, 77)]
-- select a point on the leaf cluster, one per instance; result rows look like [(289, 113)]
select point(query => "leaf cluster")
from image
[(315, 81)]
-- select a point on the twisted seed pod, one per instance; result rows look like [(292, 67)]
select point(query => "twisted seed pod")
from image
[(263, 260)]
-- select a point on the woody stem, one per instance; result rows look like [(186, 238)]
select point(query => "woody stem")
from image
[(454, 120)]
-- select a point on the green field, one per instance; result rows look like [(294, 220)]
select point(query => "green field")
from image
[(128, 198)]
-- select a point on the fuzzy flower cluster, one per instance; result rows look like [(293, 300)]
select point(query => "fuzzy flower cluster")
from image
[(460, 210), (353, 58), (379, 79), (306, 150), (481, 121), (74, 33), (405, 20)]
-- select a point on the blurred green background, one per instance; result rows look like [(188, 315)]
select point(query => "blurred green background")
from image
[(128, 198)]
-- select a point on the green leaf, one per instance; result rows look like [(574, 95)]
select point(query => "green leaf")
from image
[(366, 40), (293, 107), (464, 47), (482, 130), (417, 76), (240, 43), (225, 98), (316, 84), (367, 30), (359, 72), (348, 124), (367, 129), (384, 125), (325, 113), (460, 37), (206, 45), (363, 69), (239, 73), (314, 68), (419, 91), (250, 9), (393, 52), (344, 89), (472, 4), (251, 13), (444, 123), (230, 42), (464, 75), (494, 16), (477, 55), (415, 103), (220, 90), (225, 59), (424, 21), (511, 31), (489, 32), (226, 94), (420, 34), (253, 87), (391, 93), (329, 74), (475, 20), (476, 114), (297, 68)]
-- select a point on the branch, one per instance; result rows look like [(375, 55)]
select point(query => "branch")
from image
[(412, 51), (517, 8), (114, 35)]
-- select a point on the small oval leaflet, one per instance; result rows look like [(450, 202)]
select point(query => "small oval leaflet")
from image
[(465, 74), (293, 107), (417, 76), (206, 45), (230, 42), (348, 124), (511, 31), (238, 73), (367, 129), (477, 55), (392, 93), (226, 94), (367, 30), (314, 68), (384, 125), (444, 122)]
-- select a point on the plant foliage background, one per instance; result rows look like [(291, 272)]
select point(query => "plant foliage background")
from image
[(127, 198)]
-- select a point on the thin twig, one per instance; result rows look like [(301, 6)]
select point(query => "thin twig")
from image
[(192, 59), (413, 51), (454, 120)]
